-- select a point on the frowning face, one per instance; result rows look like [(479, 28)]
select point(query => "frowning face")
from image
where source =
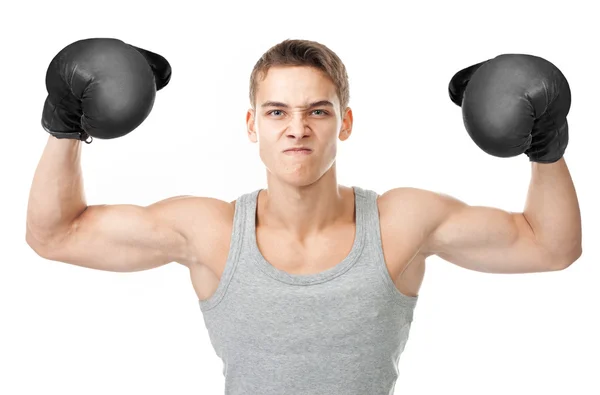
[(297, 106)]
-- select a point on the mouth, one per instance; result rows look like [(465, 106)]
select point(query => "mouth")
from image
[(298, 151)]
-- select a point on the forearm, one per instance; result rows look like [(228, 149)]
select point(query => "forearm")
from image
[(56, 197), (552, 209)]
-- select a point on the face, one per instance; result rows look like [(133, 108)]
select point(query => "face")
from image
[(297, 106)]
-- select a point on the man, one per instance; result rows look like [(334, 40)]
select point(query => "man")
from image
[(307, 287)]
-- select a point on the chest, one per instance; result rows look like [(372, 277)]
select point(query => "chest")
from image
[(400, 246), (311, 256)]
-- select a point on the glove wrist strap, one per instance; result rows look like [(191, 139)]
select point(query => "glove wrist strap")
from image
[(83, 136)]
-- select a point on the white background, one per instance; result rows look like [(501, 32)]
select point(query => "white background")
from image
[(70, 330)]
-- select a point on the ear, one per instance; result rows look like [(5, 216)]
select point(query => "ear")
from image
[(251, 126), (346, 129)]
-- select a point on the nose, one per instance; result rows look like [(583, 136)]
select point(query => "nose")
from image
[(297, 127)]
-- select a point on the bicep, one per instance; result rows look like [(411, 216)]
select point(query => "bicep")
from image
[(486, 239), (123, 238)]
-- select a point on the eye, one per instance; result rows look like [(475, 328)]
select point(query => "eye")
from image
[(273, 112)]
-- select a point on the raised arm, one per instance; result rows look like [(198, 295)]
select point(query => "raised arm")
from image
[(101, 88), (121, 238), (489, 239)]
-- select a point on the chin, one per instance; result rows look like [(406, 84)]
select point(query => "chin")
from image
[(297, 175), (296, 180)]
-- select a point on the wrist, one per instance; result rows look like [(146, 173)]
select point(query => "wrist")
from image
[(548, 145)]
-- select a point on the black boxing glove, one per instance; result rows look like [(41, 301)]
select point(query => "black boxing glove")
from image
[(515, 104), (102, 88)]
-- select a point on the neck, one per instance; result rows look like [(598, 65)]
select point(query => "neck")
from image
[(302, 212)]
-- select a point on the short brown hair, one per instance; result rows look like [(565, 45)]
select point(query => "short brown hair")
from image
[(303, 53)]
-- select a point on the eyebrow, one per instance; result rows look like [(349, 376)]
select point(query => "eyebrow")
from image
[(319, 103)]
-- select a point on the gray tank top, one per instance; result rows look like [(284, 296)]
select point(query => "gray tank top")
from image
[(337, 332)]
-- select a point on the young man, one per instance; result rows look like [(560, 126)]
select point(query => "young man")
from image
[(307, 287)]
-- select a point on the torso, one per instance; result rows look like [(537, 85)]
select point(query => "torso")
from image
[(406, 266)]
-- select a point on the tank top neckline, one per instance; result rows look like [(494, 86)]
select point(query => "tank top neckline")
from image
[(313, 278)]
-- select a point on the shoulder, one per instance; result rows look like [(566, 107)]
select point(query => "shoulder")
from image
[(190, 204), (204, 222), (196, 215), (421, 209), (416, 199)]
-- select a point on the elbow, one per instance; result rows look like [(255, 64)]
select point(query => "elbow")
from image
[(568, 259), (34, 244), (40, 247)]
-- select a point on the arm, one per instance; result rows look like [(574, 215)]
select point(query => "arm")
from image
[(129, 238), (545, 237), (514, 104), (121, 238)]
